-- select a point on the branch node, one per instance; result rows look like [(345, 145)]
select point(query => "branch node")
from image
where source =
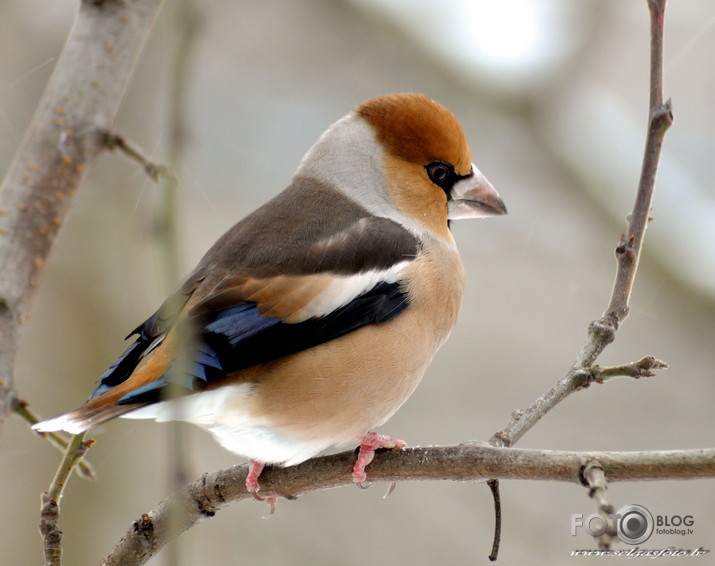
[(50, 507), (603, 330), (205, 507), (626, 246), (217, 493), (144, 527), (662, 117), (500, 439), (582, 378)]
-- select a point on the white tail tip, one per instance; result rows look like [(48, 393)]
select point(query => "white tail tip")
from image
[(63, 422)]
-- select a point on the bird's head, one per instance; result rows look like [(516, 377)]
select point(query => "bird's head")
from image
[(404, 155)]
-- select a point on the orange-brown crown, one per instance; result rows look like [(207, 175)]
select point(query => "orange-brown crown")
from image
[(417, 129)]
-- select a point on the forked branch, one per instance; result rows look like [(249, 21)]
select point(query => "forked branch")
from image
[(602, 332)]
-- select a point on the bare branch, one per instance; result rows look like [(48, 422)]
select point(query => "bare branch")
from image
[(81, 98), (50, 512), (80, 101), (204, 497), (603, 331), (660, 118)]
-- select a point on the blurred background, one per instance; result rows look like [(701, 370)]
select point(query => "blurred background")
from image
[(553, 97)]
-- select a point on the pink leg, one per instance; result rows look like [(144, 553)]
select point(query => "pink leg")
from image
[(369, 443), (252, 485)]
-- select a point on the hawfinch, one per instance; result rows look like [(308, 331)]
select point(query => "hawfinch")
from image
[(312, 320)]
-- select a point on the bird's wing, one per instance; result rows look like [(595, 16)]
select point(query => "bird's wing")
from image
[(261, 294)]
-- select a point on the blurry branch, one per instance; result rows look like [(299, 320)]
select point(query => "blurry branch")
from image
[(61, 143), (64, 138), (183, 23), (180, 25), (50, 510), (203, 498), (112, 141), (594, 477), (22, 410)]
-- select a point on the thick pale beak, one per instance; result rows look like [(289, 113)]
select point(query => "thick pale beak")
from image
[(474, 197)]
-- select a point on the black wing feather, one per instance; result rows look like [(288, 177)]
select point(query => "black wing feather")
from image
[(239, 337)]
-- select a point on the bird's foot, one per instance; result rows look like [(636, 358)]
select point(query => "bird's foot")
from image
[(369, 443), (253, 487)]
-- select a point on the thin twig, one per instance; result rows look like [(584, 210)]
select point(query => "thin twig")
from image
[(204, 497), (594, 477), (111, 141), (602, 332), (22, 410), (642, 368), (660, 117), (494, 487), (50, 511)]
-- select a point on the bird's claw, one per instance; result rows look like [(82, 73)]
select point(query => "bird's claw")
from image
[(253, 487), (369, 443)]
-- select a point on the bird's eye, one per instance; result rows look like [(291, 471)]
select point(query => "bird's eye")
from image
[(441, 174), (438, 172)]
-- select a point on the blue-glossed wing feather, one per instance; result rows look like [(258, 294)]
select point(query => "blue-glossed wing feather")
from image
[(239, 337), (238, 348), (121, 369), (149, 334)]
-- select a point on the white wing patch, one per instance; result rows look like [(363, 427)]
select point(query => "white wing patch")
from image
[(344, 288)]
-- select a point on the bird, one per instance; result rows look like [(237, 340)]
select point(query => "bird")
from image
[(314, 318)]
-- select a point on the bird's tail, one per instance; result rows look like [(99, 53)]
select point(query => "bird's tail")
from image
[(82, 419)]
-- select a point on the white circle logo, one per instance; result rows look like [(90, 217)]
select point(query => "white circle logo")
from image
[(634, 524)]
